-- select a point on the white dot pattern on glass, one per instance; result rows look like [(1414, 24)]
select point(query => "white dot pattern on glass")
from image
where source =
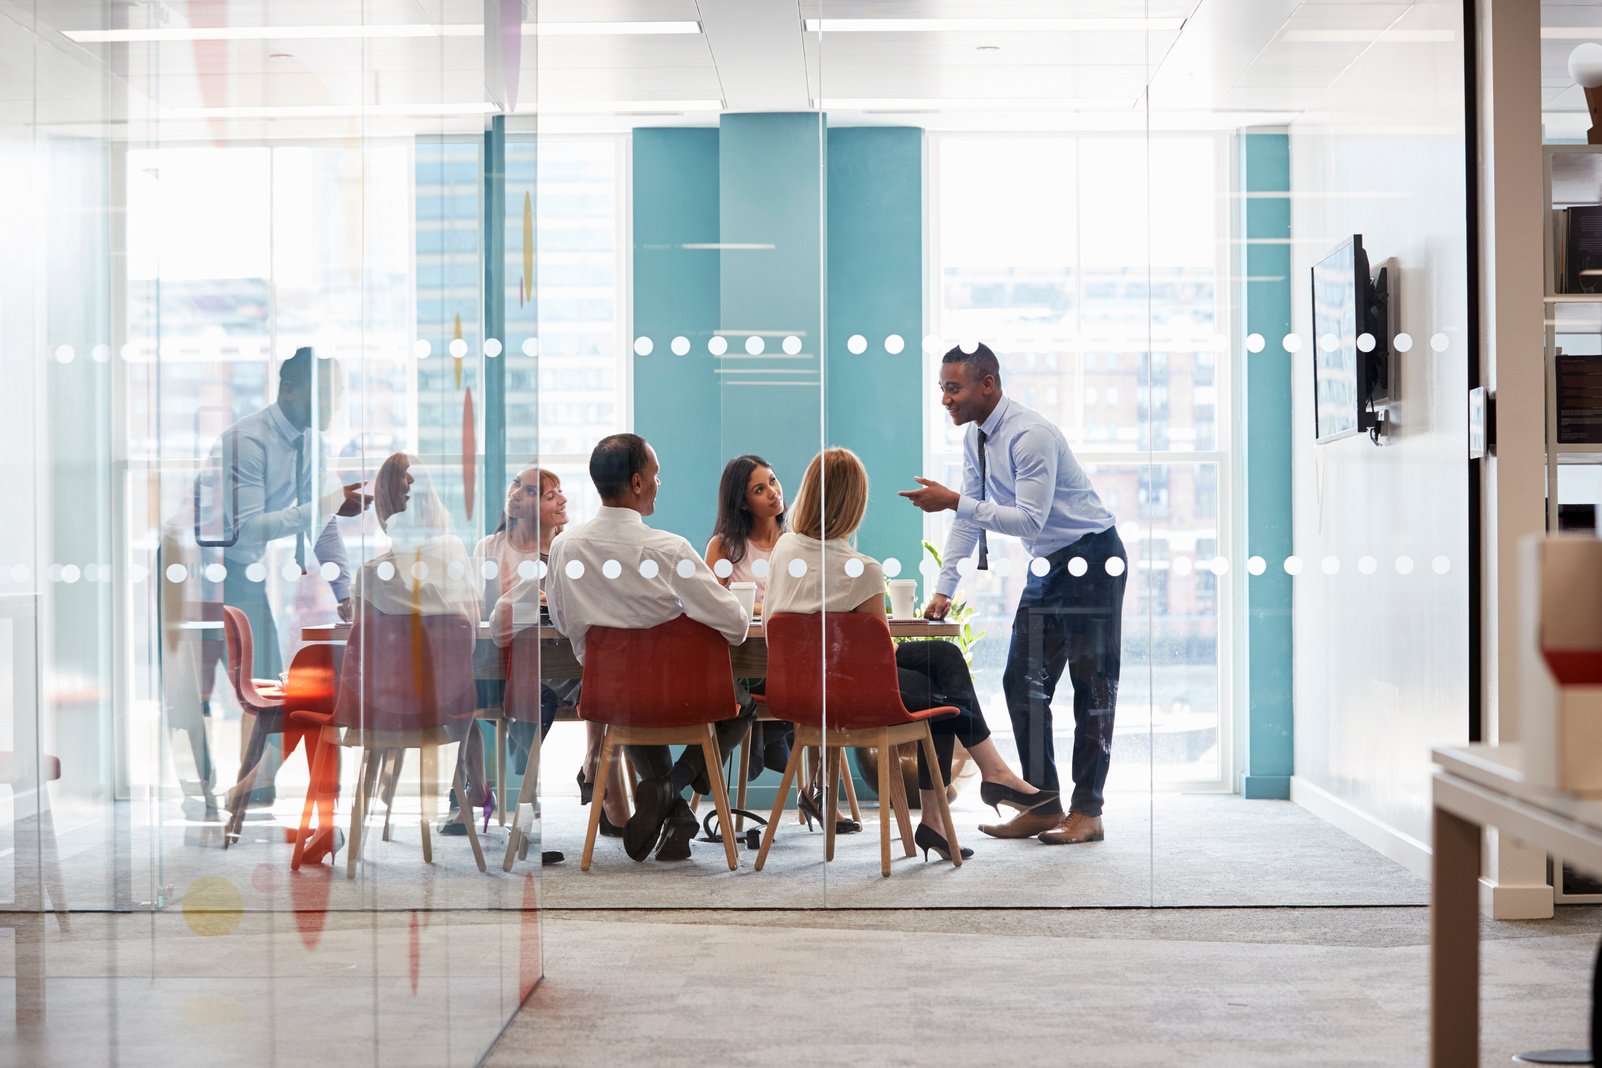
[(1293, 565), (290, 572), (1438, 342), (717, 345), (1292, 343), (760, 569), (1038, 566), (574, 569), (1365, 342), (1181, 565), (1328, 342), (649, 570), (1115, 566), (541, 569), (1220, 566), (329, 570), (1404, 565), (136, 573), (385, 571), (643, 346), (531, 346), (684, 568), (458, 348), (65, 354), (1255, 343), (798, 568), (492, 347), (965, 566), (1403, 342), (1256, 565), (755, 346), (256, 572), (894, 344), (420, 571), (722, 569), (680, 345), (931, 344), (53, 572), (1441, 565), (1078, 566), (853, 568), (1329, 565), (456, 569), (70, 573), (421, 348), (176, 572), (856, 344), (892, 567), (525, 569), (1367, 565), (489, 569), (216, 572), (100, 353), (611, 569), (969, 345), (130, 351)]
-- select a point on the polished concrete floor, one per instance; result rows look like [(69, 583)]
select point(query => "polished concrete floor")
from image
[(1194, 987)]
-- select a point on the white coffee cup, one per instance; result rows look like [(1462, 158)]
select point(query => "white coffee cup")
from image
[(903, 592), (746, 592)]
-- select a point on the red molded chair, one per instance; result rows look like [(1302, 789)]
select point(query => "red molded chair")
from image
[(842, 665), (663, 685), (521, 704), (405, 683), (261, 699)]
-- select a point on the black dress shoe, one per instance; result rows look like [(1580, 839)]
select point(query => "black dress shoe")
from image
[(552, 856), (676, 835), (653, 799)]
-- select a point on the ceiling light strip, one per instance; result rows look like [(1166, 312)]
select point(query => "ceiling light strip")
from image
[(372, 31), (989, 25)]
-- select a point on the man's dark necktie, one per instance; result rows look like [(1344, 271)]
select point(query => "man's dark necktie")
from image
[(984, 546), (300, 498)]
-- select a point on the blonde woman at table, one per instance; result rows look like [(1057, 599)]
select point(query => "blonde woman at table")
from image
[(425, 572), (828, 510), (750, 520), (535, 513)]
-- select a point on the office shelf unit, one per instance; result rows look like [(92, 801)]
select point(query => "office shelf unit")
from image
[(1572, 175)]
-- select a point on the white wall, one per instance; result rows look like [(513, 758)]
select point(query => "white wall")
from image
[(1381, 661)]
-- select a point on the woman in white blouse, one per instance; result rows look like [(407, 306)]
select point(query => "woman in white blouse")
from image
[(837, 578), (425, 572)]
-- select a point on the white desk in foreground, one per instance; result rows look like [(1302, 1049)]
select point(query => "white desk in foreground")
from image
[(1480, 786)]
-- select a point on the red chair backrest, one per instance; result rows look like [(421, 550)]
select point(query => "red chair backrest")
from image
[(522, 662), (674, 674), (407, 672), (839, 663), (241, 658)]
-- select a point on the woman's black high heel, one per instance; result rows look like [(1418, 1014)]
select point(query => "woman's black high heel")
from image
[(926, 839), (995, 795), (811, 809), (608, 828), (586, 789)]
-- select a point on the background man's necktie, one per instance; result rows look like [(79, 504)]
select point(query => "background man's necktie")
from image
[(300, 498), (984, 546)]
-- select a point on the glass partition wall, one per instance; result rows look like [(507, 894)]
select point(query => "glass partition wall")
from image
[(746, 234)]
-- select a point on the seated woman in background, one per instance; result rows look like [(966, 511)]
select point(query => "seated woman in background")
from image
[(828, 511), (426, 572), (535, 513), (750, 520)]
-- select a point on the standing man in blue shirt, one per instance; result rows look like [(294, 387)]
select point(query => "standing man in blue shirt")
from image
[(1020, 478), (266, 485)]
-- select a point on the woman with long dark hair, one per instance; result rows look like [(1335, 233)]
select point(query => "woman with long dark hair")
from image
[(750, 520)]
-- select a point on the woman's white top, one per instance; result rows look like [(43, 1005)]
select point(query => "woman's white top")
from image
[(425, 572), (509, 563), (748, 571), (807, 575)]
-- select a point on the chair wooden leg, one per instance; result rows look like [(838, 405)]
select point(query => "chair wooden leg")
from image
[(742, 761), (778, 805), (427, 785), (358, 810), (851, 792), (884, 802), (720, 795), (514, 839), (901, 806), (940, 795), (603, 769), (460, 784), (831, 793), (500, 768), (397, 758)]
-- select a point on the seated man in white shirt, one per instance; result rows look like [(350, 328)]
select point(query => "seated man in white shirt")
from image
[(624, 469)]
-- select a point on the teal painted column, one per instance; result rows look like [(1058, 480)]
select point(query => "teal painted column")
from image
[(1265, 261), (677, 406), (770, 196), (875, 289), (495, 477)]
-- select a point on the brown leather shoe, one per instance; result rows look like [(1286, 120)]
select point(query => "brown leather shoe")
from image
[(1076, 827), (1023, 825)]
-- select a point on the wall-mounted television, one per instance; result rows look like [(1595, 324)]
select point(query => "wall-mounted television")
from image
[(1350, 342)]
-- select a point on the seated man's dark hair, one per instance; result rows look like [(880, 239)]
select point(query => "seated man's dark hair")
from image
[(296, 371), (615, 461), (980, 362)]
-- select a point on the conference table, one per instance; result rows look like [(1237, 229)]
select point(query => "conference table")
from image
[(749, 659)]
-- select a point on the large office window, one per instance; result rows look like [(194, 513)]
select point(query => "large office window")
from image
[(1108, 311)]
